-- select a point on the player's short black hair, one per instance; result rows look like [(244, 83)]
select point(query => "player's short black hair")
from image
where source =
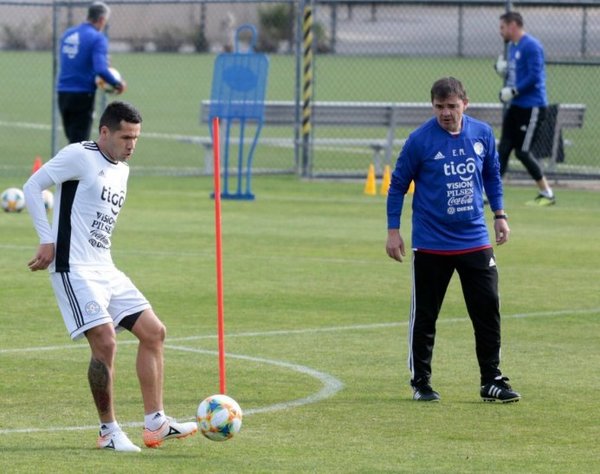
[(447, 86), (116, 112), (98, 10), (510, 17)]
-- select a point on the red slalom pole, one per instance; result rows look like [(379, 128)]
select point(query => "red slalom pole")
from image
[(219, 254)]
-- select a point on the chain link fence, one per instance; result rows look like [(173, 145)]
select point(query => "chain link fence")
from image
[(367, 52)]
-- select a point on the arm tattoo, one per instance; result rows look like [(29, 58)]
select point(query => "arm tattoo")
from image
[(98, 376)]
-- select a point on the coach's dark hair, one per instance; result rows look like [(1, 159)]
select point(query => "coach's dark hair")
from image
[(98, 10), (447, 86), (116, 112), (510, 17)]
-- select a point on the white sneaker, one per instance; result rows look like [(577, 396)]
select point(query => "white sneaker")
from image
[(117, 441), (169, 429)]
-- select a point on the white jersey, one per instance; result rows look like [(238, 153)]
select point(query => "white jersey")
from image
[(90, 192)]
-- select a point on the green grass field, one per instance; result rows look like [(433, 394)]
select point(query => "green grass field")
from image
[(168, 89), (316, 339)]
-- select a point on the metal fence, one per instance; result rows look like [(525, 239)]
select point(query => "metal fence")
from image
[(388, 51)]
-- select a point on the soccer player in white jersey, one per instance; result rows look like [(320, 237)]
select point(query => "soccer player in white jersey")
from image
[(96, 299)]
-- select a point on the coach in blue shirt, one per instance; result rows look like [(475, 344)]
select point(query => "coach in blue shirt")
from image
[(452, 159), (83, 56)]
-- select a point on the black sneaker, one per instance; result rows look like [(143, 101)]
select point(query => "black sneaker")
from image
[(499, 391), (424, 393)]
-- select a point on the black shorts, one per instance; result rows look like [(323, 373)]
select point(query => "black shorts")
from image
[(521, 126)]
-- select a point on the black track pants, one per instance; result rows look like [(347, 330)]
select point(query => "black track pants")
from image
[(479, 281), (77, 112)]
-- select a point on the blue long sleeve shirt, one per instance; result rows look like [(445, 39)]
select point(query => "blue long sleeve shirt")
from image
[(526, 72), (83, 56), (450, 174)]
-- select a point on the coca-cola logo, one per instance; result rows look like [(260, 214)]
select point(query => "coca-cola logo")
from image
[(460, 201)]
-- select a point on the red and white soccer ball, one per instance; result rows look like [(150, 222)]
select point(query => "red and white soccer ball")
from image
[(13, 200), (219, 417), (105, 86)]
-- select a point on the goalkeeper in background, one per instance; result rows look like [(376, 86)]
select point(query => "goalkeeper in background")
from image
[(525, 93)]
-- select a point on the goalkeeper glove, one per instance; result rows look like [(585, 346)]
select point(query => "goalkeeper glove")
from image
[(501, 66), (507, 93)]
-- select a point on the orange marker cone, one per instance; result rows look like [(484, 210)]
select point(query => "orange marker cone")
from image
[(370, 184), (37, 164), (386, 180)]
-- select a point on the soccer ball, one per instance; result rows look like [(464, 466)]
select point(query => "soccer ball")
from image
[(105, 86), (219, 417), (13, 200), (48, 199)]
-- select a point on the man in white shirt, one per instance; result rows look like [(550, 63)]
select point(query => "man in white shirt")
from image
[(95, 298)]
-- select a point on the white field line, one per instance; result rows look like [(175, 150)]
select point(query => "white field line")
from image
[(45, 126), (210, 254), (28, 125), (185, 138), (331, 385), (291, 332), (288, 332)]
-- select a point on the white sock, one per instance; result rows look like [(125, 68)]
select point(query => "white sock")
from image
[(548, 193), (107, 428), (154, 420)]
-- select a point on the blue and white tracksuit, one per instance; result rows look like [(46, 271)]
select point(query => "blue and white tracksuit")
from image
[(449, 232)]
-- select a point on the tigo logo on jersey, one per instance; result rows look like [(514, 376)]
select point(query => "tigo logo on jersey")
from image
[(115, 199), (464, 170)]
